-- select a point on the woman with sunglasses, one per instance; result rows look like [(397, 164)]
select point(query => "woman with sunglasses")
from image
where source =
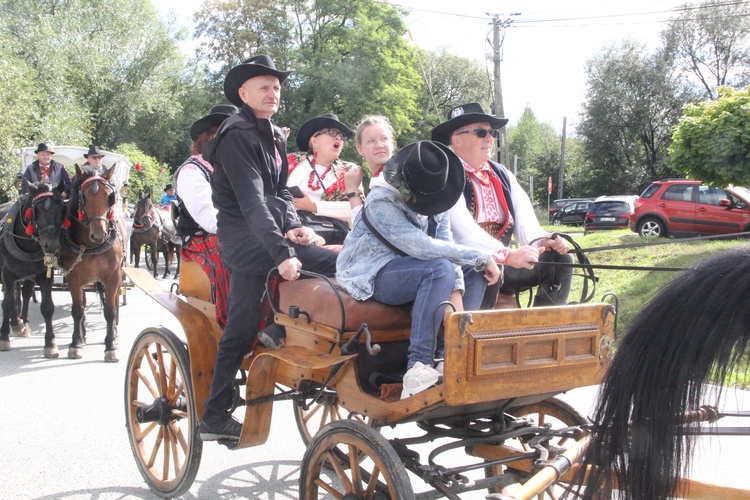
[(317, 171)]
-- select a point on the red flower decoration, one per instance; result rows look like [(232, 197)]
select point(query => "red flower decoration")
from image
[(161, 170), (138, 167), (111, 215), (27, 215), (80, 214), (66, 223), (30, 229)]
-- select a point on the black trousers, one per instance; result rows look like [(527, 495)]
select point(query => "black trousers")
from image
[(245, 295), (553, 281)]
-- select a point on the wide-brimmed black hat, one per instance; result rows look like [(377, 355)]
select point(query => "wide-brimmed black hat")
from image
[(169, 186), (313, 125), (93, 151), (216, 116), (249, 68), (431, 172), (461, 116), (42, 147)]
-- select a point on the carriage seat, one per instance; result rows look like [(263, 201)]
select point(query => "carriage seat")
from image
[(194, 282), (318, 299)]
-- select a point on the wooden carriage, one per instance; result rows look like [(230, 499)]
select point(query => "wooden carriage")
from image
[(502, 369)]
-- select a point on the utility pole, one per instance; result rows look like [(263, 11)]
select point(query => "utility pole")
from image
[(515, 165), (502, 140), (562, 161)]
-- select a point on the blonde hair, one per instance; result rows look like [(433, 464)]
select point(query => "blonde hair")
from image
[(374, 120)]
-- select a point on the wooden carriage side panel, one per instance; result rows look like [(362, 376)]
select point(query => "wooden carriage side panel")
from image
[(520, 352)]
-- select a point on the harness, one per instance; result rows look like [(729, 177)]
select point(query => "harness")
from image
[(9, 238)]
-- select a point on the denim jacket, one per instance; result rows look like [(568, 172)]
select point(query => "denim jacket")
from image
[(363, 254)]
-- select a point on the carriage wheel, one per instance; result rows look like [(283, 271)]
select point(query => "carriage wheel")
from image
[(318, 414), (160, 412), (380, 475), (148, 259), (550, 411)]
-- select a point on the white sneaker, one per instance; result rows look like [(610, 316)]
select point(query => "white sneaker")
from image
[(439, 367), (419, 378)]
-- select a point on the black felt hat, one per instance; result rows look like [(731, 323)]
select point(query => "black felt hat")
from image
[(461, 116), (313, 125), (42, 147), (169, 186), (430, 172), (93, 151), (216, 116), (249, 68)]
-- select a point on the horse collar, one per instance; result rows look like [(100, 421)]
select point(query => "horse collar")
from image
[(10, 238)]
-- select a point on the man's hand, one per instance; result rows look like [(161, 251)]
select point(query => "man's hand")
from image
[(524, 257), (492, 272), (557, 244), (305, 203), (289, 269), (302, 236), (457, 301)]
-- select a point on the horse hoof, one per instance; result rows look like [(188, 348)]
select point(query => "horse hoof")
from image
[(4, 345), (21, 330), (26, 332), (75, 353), (51, 352), (110, 357)]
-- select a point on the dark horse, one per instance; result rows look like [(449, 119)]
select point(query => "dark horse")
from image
[(153, 227), (698, 324), (29, 239), (92, 251)]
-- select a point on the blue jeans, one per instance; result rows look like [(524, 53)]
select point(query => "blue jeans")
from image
[(427, 283)]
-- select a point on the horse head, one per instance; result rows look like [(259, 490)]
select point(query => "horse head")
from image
[(144, 215), (44, 213), (95, 199)]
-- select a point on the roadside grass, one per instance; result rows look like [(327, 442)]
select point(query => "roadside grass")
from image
[(635, 288)]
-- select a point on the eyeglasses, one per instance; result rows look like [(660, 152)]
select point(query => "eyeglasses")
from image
[(482, 132), (333, 133)]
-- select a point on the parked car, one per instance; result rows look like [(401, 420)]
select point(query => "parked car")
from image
[(609, 212), (679, 207), (558, 204), (572, 214)]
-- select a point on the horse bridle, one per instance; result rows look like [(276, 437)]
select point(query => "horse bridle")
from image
[(148, 215), (96, 180), (38, 199)]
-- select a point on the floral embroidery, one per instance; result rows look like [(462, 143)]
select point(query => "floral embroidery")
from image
[(336, 191)]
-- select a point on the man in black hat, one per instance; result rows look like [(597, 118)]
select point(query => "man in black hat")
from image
[(46, 169), (94, 158), (503, 210), (257, 224), (168, 196), (401, 251)]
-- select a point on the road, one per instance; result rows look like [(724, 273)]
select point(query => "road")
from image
[(63, 434)]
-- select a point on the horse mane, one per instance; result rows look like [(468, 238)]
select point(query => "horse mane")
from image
[(697, 325)]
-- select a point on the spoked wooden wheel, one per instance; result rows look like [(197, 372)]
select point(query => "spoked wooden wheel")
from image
[(160, 412), (374, 469), (148, 259), (552, 411)]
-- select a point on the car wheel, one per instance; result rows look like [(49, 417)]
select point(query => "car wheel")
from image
[(557, 222), (651, 227)]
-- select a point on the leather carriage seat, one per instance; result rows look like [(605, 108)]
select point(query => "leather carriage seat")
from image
[(318, 299)]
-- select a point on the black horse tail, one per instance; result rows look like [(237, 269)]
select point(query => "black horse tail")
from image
[(698, 324)]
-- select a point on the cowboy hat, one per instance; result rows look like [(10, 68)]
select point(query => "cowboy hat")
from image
[(313, 125), (94, 151), (216, 116), (461, 116), (42, 147), (249, 68), (430, 172), (169, 186)]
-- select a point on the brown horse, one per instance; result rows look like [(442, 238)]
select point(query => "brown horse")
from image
[(91, 251)]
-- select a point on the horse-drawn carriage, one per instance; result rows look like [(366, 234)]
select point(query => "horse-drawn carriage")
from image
[(502, 369)]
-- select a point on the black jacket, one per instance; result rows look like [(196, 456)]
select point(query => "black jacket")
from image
[(57, 173), (254, 207)]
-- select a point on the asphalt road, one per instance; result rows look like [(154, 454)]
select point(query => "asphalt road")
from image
[(63, 432)]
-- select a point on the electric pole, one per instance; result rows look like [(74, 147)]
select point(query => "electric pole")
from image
[(502, 140), (562, 161)]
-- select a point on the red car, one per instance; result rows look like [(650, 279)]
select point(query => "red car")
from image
[(674, 207)]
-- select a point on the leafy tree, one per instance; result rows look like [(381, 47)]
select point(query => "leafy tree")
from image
[(632, 101), (147, 175), (712, 140), (712, 41)]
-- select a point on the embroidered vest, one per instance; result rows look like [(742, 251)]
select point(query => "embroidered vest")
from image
[(471, 201)]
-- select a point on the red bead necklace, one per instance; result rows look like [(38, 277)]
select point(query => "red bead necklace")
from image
[(314, 182)]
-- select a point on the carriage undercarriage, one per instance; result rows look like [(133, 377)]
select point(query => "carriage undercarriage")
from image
[(496, 403)]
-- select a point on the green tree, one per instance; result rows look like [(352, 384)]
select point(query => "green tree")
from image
[(632, 101), (147, 175), (712, 140), (712, 41)]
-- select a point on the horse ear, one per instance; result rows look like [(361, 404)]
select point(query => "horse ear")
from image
[(33, 189), (79, 172), (61, 187), (107, 173)]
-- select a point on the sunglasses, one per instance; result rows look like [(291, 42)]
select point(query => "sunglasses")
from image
[(482, 132), (333, 133)]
